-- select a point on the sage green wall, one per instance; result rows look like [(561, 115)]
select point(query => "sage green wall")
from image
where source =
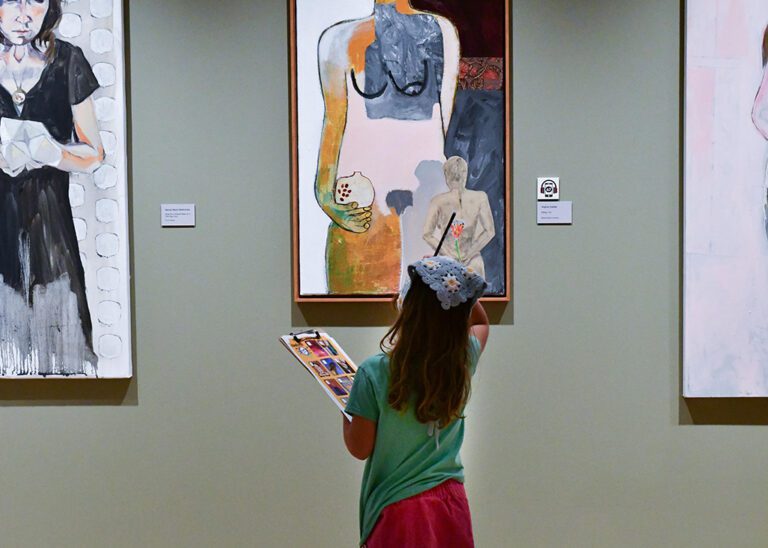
[(576, 432)]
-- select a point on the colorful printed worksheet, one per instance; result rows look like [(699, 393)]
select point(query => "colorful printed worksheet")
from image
[(326, 361)]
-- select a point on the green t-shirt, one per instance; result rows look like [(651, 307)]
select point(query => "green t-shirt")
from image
[(409, 457)]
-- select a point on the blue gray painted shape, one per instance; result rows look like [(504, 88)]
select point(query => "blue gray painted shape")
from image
[(403, 66), (399, 200), (476, 133)]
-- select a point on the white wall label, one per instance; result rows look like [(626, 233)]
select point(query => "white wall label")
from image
[(177, 214), (548, 188), (554, 213)]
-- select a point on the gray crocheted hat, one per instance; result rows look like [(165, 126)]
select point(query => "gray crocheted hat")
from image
[(452, 282)]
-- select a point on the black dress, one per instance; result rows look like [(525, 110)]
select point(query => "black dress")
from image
[(38, 244)]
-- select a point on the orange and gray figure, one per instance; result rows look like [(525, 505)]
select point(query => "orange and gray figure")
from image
[(388, 83)]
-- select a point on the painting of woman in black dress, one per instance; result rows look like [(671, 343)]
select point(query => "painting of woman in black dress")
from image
[(48, 130)]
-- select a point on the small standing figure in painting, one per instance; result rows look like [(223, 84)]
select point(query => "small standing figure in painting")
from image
[(48, 129), (473, 226), (388, 83), (760, 114)]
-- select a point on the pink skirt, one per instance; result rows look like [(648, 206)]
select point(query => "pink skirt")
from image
[(435, 518)]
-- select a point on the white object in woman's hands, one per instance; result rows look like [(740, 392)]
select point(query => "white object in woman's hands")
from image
[(27, 144), (354, 188), (44, 152), (13, 147), (15, 157), (11, 129), (43, 149)]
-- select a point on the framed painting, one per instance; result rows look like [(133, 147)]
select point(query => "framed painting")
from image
[(400, 134), (64, 265), (725, 274)]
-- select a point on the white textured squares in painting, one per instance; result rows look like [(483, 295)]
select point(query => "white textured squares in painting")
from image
[(81, 228), (96, 26), (107, 244), (109, 312), (107, 210), (105, 109), (76, 195), (102, 41), (110, 346), (109, 142), (70, 26), (105, 74), (101, 8), (106, 176), (108, 278)]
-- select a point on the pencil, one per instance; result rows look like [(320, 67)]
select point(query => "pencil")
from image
[(445, 233)]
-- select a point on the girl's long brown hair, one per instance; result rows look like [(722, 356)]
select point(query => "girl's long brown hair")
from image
[(428, 350)]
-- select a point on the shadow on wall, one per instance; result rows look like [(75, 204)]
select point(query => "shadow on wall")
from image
[(44, 392), (367, 314), (725, 411)]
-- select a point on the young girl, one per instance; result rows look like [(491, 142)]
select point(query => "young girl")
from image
[(407, 408)]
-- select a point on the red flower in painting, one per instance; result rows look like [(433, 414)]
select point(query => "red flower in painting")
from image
[(456, 229)]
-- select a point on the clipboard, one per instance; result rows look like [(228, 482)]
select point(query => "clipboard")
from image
[(324, 359)]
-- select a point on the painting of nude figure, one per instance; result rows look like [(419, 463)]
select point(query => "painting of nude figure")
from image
[(400, 112), (725, 269)]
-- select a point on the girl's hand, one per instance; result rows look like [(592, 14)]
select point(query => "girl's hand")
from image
[(349, 216)]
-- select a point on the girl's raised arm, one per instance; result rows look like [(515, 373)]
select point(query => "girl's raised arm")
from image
[(479, 325)]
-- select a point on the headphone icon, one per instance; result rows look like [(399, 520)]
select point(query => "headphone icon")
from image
[(548, 188)]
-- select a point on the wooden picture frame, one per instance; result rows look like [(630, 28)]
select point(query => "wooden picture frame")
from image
[(327, 40)]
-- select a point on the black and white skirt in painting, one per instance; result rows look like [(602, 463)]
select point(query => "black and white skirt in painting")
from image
[(45, 324)]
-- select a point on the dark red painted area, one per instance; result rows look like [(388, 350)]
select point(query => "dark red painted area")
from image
[(480, 23), (481, 73)]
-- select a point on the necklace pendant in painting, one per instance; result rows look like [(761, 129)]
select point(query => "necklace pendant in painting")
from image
[(19, 96)]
